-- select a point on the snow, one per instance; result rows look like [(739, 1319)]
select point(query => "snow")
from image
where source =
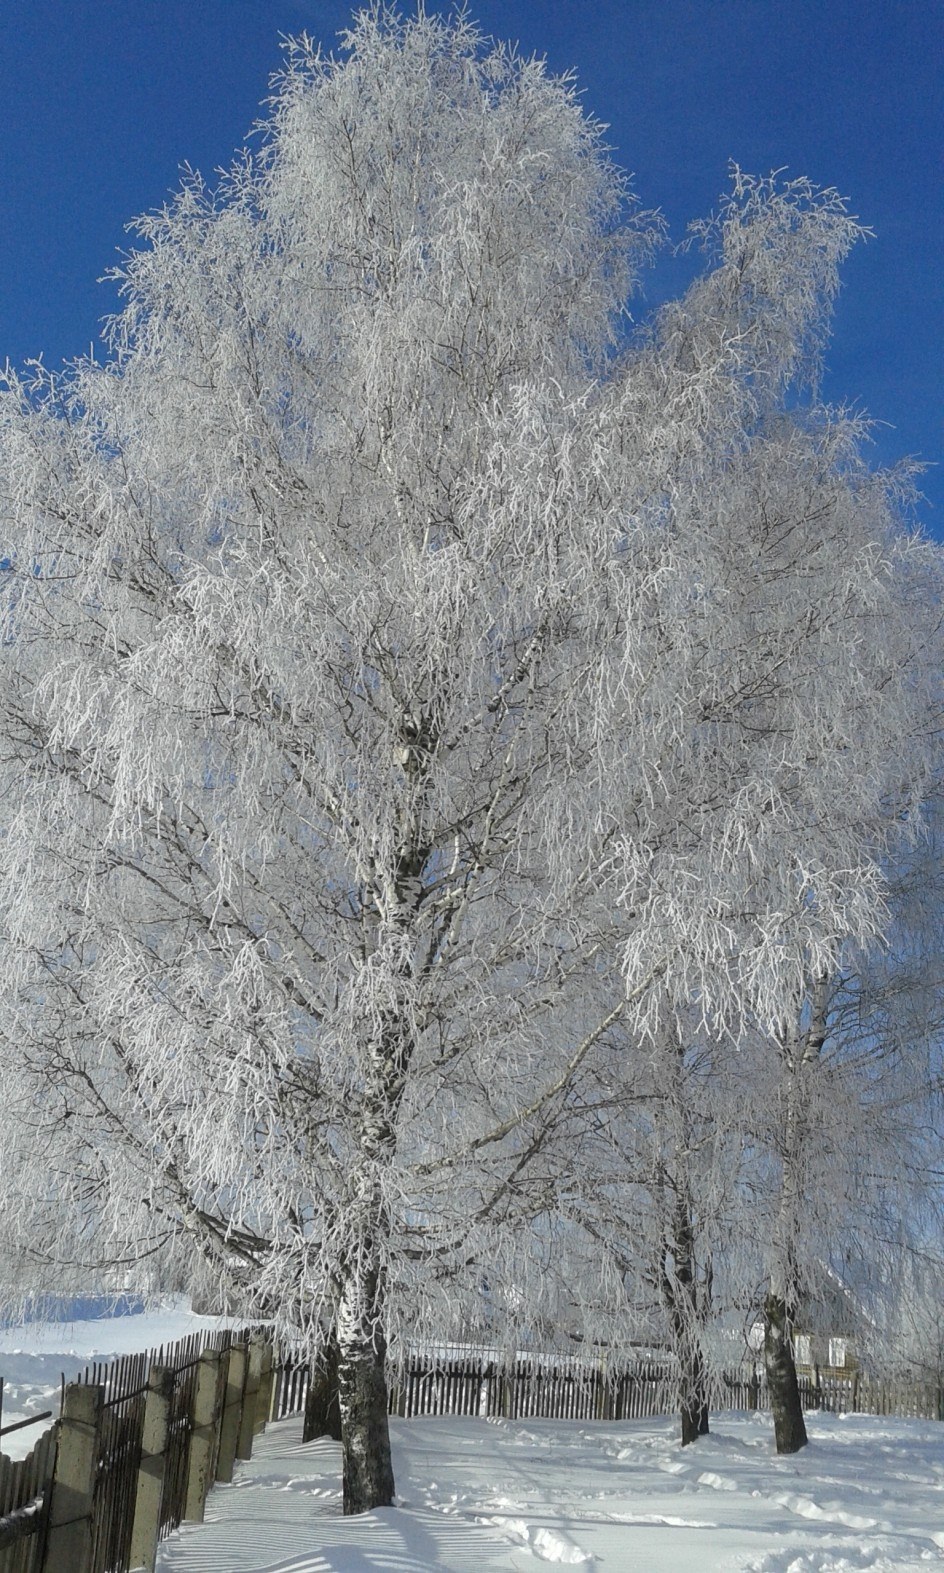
[(519, 1496), (35, 1357), (597, 1496)]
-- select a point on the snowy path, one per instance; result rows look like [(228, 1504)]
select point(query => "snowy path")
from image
[(283, 1511), (513, 1496)]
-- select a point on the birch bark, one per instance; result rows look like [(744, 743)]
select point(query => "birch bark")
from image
[(799, 1052)]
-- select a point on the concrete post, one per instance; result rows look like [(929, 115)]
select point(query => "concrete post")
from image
[(234, 1382), (266, 1385), (69, 1535), (247, 1423), (204, 1417), (150, 1488)]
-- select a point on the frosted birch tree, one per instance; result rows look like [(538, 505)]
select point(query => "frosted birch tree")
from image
[(386, 726), (288, 674), (853, 1124), (668, 1203), (813, 638)]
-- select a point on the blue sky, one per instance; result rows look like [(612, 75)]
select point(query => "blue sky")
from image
[(103, 100)]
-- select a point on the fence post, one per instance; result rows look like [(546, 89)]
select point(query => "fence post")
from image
[(817, 1394), (247, 1423), (204, 1420), (235, 1380), (266, 1385), (69, 1533), (278, 1358), (150, 1489)]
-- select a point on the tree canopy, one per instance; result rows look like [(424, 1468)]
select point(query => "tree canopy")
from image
[(420, 691)]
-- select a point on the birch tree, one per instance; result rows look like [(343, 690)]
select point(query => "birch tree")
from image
[(854, 1124), (409, 686), (669, 1200), (288, 671), (812, 633)]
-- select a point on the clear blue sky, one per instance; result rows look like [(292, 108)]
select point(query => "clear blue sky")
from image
[(102, 100)]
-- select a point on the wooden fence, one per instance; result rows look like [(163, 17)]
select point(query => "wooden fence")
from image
[(23, 1493), (858, 1394), (533, 1388), (567, 1388), (134, 1453), (141, 1440)]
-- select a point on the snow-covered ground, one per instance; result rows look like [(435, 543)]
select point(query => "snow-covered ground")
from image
[(34, 1358), (604, 1498), (867, 1494)]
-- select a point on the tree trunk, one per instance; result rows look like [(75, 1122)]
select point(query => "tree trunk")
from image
[(362, 1392), (694, 1422), (323, 1404), (362, 1349), (782, 1384), (693, 1403), (694, 1413), (800, 1050), (686, 1314)]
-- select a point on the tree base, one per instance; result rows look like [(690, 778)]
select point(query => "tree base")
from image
[(789, 1425), (365, 1435), (694, 1422)]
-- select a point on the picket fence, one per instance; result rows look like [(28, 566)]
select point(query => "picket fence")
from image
[(141, 1440), (434, 1382), (138, 1444), (532, 1387)]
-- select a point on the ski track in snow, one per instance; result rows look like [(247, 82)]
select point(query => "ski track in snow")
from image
[(867, 1496)]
